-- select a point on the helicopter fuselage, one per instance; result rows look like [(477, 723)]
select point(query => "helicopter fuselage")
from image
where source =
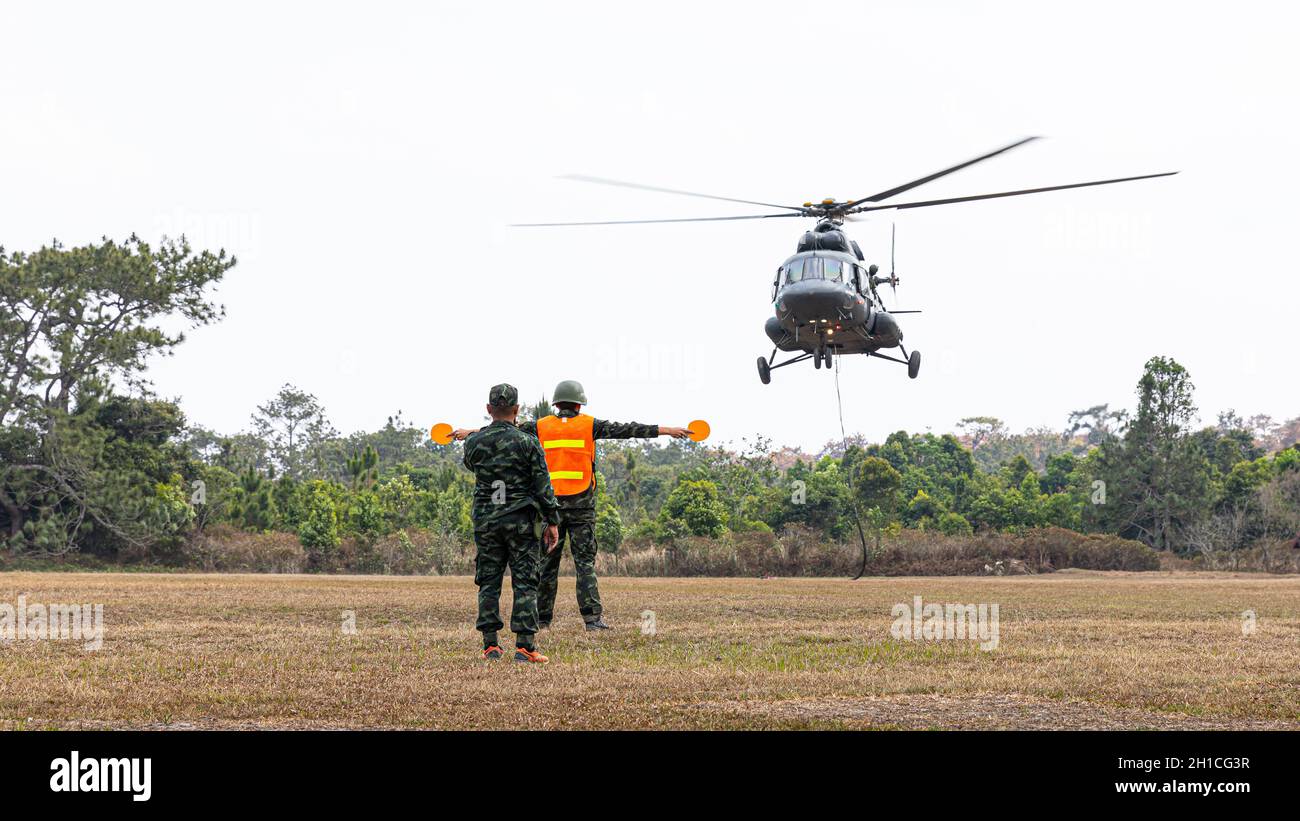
[(823, 301)]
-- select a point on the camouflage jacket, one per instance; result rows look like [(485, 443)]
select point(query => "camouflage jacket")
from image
[(600, 429), (510, 474)]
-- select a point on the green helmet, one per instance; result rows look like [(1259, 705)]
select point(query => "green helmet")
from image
[(570, 390)]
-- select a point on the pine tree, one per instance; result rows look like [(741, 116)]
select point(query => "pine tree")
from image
[(1157, 478)]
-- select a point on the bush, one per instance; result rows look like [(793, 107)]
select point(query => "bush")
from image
[(1038, 550), (319, 530), (1267, 556), (223, 548), (954, 524), (420, 553), (802, 551)]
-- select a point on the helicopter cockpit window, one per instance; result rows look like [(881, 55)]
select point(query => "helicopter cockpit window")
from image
[(812, 268), (794, 271), (833, 269)]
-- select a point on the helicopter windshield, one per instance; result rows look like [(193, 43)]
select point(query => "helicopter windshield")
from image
[(815, 268), (806, 268)]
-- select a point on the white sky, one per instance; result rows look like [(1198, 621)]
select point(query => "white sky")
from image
[(362, 160)]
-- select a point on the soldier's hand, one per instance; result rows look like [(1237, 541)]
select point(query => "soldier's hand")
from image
[(676, 433), (551, 538), (460, 434)]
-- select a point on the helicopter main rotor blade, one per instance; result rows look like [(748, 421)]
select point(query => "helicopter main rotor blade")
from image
[(927, 203), (643, 222), (622, 184), (893, 192)]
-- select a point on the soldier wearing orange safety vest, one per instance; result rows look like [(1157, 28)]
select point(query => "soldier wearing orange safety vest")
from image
[(569, 443)]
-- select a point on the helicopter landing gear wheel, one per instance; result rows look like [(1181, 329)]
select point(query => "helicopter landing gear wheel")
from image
[(817, 359), (826, 358), (764, 370), (913, 364)]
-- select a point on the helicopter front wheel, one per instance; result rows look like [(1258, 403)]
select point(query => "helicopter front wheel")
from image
[(764, 370), (913, 364), (826, 358)]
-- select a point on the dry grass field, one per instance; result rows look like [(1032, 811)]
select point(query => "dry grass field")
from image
[(1077, 650)]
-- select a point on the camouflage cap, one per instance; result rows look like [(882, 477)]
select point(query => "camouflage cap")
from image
[(503, 396)]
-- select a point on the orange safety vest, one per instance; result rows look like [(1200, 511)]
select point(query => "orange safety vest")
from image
[(570, 451)]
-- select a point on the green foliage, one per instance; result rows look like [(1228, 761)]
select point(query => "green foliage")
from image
[(1286, 460), (609, 527), (363, 467), (954, 524), (252, 507), (319, 530), (1158, 477), (295, 430), (80, 467), (922, 510), (876, 483), (695, 506), (399, 502)]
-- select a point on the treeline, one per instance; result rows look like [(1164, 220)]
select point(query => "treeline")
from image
[(95, 465)]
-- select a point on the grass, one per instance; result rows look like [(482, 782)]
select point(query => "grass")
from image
[(1077, 649)]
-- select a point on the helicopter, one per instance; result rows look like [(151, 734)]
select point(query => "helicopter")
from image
[(825, 299)]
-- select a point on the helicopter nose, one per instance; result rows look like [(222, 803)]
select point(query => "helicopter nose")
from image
[(813, 301)]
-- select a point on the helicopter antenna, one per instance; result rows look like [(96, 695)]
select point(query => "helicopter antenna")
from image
[(893, 277)]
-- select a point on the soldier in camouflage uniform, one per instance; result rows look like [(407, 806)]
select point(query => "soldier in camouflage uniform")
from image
[(578, 510), (512, 487)]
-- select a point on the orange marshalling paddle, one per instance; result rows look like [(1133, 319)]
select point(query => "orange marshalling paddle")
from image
[(441, 433), (699, 430)]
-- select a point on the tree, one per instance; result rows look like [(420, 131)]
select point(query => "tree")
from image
[(1015, 471), (1157, 478), (609, 525), (876, 483), (1228, 443), (294, 428), (363, 467), (1059, 471), (319, 531), (253, 507), (72, 315), (954, 524), (695, 505), (981, 429), (531, 412), (1096, 424), (75, 323)]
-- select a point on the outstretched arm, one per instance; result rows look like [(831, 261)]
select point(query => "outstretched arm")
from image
[(603, 429)]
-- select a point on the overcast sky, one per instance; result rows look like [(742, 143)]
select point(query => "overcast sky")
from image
[(363, 161)]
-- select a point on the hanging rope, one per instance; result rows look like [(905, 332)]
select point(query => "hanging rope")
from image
[(853, 494)]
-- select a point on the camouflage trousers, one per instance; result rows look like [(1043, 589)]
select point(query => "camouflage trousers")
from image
[(581, 537), (511, 540)]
